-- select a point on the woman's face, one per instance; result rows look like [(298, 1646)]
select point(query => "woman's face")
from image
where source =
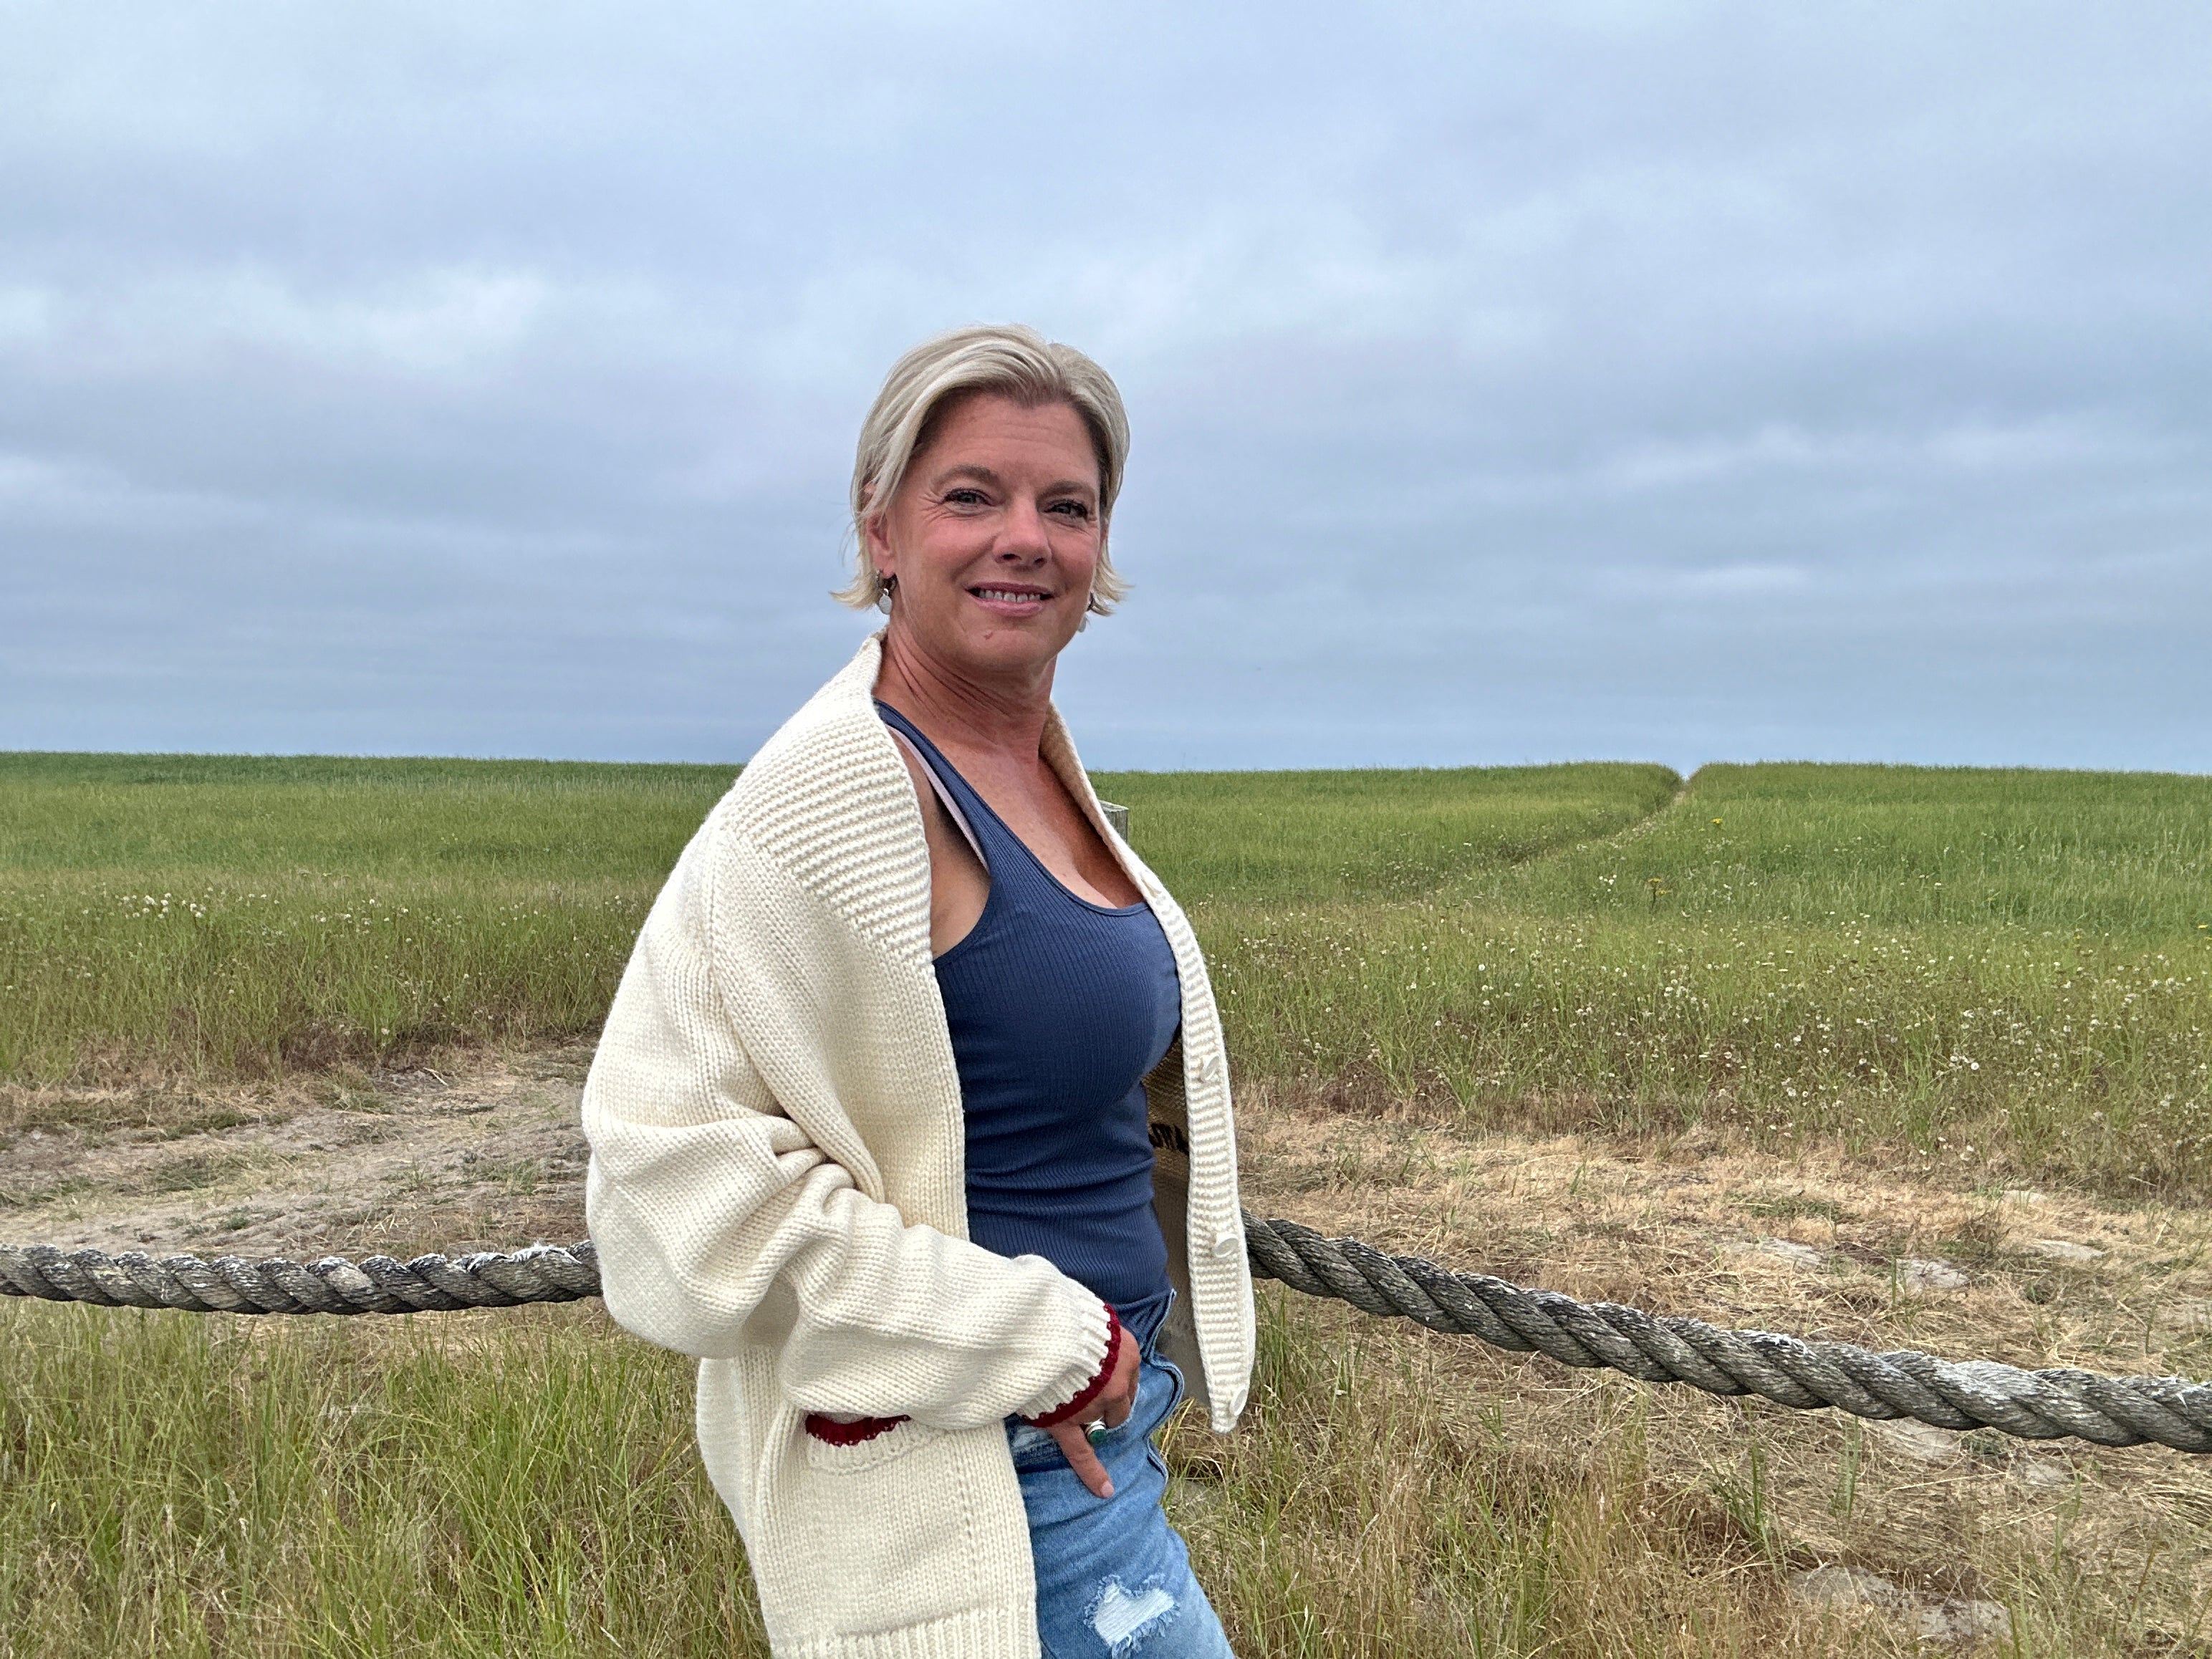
[(994, 536)]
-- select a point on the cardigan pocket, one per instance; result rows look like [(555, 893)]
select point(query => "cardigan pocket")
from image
[(873, 1453)]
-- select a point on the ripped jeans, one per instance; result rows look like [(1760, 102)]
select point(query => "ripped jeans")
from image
[(1113, 1579)]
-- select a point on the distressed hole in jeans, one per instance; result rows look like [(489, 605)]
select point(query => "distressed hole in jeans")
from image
[(1122, 1619)]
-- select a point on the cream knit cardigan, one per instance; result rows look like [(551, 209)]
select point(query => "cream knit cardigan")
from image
[(777, 1186)]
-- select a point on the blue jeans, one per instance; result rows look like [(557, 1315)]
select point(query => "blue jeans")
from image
[(1113, 1579)]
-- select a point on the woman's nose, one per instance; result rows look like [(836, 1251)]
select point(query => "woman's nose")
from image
[(1023, 533)]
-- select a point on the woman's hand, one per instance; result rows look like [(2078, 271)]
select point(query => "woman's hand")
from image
[(1113, 1404)]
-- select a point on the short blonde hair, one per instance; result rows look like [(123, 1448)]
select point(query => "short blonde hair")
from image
[(1008, 359)]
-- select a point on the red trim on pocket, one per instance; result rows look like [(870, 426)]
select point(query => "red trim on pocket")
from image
[(831, 1432), (1096, 1385)]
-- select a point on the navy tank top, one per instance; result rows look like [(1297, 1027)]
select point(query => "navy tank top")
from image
[(1058, 1008)]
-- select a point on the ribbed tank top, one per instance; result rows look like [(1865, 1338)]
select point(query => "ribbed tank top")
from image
[(1058, 1008)]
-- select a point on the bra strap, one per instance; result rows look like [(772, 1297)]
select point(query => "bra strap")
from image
[(943, 794)]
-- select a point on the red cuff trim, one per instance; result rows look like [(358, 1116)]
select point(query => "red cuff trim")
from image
[(831, 1431), (1096, 1385)]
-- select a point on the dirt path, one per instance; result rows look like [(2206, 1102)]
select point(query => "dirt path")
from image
[(494, 1157), (487, 1159)]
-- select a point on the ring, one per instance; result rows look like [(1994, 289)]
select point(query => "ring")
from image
[(1095, 1432)]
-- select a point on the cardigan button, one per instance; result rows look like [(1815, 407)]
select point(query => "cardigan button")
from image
[(1224, 1247)]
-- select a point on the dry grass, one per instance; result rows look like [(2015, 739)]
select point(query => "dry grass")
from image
[(1419, 1494)]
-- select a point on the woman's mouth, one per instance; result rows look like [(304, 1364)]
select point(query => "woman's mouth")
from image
[(1011, 596)]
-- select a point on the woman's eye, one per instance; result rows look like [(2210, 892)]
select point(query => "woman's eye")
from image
[(964, 497), (1075, 510)]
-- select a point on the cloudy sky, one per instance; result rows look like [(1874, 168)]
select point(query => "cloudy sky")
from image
[(1509, 381)]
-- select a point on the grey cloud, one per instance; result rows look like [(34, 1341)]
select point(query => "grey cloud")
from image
[(1689, 381)]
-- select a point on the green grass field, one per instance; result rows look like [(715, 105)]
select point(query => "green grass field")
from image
[(2012, 963), (1983, 976), (239, 914), (487, 1486), (2010, 968)]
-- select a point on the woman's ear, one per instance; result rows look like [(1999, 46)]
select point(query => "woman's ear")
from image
[(875, 547), (1090, 605)]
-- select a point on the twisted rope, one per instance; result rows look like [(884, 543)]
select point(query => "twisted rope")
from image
[(230, 1284), (2034, 1405), (2045, 1405)]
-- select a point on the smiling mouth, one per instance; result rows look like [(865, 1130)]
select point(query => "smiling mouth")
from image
[(1010, 595)]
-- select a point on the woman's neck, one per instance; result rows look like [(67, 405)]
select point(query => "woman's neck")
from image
[(1001, 715)]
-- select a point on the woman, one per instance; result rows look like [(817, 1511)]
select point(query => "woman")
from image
[(911, 1119)]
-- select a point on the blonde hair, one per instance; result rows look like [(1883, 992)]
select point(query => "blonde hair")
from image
[(1015, 362)]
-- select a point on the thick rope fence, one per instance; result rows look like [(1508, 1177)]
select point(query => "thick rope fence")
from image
[(2041, 1405)]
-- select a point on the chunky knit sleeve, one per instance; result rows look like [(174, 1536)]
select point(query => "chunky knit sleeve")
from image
[(762, 1064)]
